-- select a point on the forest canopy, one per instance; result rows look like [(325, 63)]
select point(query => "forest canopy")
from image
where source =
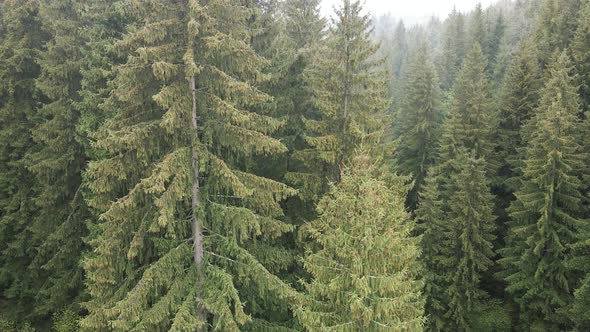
[(252, 165)]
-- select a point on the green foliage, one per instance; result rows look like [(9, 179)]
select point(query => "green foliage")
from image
[(432, 225), (470, 122), (518, 101), (66, 320), (57, 161), (418, 120), (491, 316), (581, 53), (477, 29), (455, 208), (468, 242), (161, 164), (555, 27), (547, 211), (579, 310), (453, 49), (348, 91), (11, 326), (22, 40), (365, 272), (162, 174)]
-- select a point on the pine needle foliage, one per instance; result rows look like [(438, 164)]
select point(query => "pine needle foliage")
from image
[(581, 53), (469, 237), (188, 114), (547, 211), (349, 94), (519, 99), (444, 215), (57, 161), (365, 273), (418, 121), (22, 40), (470, 123)]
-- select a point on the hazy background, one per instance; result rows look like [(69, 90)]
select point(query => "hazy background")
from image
[(412, 11)]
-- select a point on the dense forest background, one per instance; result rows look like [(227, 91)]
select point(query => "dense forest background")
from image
[(249, 165)]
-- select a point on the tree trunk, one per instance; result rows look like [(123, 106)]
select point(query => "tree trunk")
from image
[(196, 225)]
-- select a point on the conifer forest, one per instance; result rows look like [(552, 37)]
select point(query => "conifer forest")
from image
[(258, 165)]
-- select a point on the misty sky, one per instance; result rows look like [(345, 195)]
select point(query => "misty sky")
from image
[(412, 10)]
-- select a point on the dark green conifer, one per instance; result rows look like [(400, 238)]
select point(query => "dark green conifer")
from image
[(555, 27), (453, 49), (418, 120), (57, 161), (470, 122), (547, 211), (22, 40), (466, 132), (468, 243), (432, 226), (518, 101), (581, 53), (348, 90)]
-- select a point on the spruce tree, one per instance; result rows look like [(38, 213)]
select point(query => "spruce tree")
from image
[(493, 44), (348, 90), (303, 30), (103, 22), (365, 272), (57, 160), (555, 27), (477, 27), (466, 132), (183, 217), (470, 122), (517, 103), (452, 49), (418, 120), (581, 306), (22, 40), (432, 226), (581, 53), (397, 57), (468, 242), (547, 211)]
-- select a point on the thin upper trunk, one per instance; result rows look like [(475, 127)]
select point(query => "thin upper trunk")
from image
[(196, 224)]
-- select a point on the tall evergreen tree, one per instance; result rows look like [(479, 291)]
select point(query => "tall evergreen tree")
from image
[(518, 101), (22, 41), (452, 49), (466, 132), (418, 120), (556, 27), (303, 30), (581, 54), (547, 210), (57, 160), (103, 22), (397, 57), (432, 225), (493, 43), (517, 104), (470, 122), (349, 92), (468, 248), (477, 28), (182, 215), (364, 275)]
